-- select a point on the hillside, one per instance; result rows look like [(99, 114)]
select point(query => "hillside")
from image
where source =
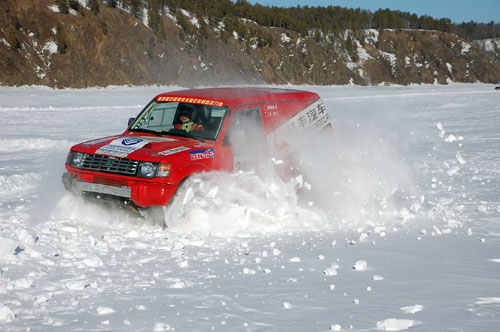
[(490, 46), (40, 45)]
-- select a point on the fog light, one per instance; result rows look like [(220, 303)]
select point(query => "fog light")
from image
[(163, 170)]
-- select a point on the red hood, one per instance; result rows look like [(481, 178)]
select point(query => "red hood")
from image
[(146, 148)]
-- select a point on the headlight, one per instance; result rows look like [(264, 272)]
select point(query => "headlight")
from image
[(147, 170), (75, 159)]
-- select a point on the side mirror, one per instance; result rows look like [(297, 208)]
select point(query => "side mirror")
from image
[(130, 121)]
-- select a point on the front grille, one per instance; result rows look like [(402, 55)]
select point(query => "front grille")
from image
[(107, 164)]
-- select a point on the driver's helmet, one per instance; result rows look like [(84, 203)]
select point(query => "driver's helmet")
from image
[(186, 112)]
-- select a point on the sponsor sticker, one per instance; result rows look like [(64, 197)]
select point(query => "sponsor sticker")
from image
[(172, 151), (122, 147), (202, 154), (308, 121), (270, 110), (200, 101), (131, 141)]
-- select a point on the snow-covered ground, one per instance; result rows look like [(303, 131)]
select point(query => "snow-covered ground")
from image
[(400, 230)]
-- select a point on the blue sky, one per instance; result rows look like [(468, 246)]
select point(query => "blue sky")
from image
[(458, 11)]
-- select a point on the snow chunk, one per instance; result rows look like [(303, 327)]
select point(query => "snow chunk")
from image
[(488, 300), (332, 270), (335, 327), (132, 234), (412, 309), (7, 247), (162, 327), (360, 265), (460, 159), (6, 315), (75, 284), (23, 283), (93, 262), (450, 139), (178, 285), (393, 324), (25, 237), (105, 310)]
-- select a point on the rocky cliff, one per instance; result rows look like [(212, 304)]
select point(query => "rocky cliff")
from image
[(40, 45)]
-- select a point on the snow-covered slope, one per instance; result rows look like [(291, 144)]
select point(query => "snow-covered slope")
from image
[(399, 230)]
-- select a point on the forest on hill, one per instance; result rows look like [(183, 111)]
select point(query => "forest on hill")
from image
[(302, 19), (80, 43)]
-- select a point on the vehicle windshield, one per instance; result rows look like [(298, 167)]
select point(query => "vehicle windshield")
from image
[(180, 119)]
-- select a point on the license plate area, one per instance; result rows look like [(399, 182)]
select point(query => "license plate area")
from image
[(103, 189)]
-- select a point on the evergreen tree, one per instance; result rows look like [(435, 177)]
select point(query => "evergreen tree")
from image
[(62, 5), (94, 6), (60, 39), (153, 15), (135, 8), (74, 4), (13, 41)]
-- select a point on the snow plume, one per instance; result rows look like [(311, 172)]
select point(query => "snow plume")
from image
[(358, 175), (363, 183), (354, 177), (74, 207), (238, 204), (253, 199)]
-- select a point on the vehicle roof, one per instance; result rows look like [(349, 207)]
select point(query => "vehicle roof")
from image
[(244, 95)]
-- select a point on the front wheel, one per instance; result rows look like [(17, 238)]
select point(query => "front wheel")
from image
[(156, 214)]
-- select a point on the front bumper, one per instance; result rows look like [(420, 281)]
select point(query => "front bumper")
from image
[(141, 194)]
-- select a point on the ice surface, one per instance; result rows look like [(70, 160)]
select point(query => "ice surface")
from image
[(398, 227)]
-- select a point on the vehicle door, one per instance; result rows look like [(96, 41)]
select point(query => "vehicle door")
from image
[(245, 136)]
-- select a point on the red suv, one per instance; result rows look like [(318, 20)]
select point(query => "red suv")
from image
[(184, 132)]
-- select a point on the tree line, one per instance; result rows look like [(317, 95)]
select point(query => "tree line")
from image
[(301, 19)]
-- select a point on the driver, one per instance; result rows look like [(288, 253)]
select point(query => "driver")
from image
[(186, 120)]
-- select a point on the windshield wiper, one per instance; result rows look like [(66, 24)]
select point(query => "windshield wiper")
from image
[(141, 130)]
